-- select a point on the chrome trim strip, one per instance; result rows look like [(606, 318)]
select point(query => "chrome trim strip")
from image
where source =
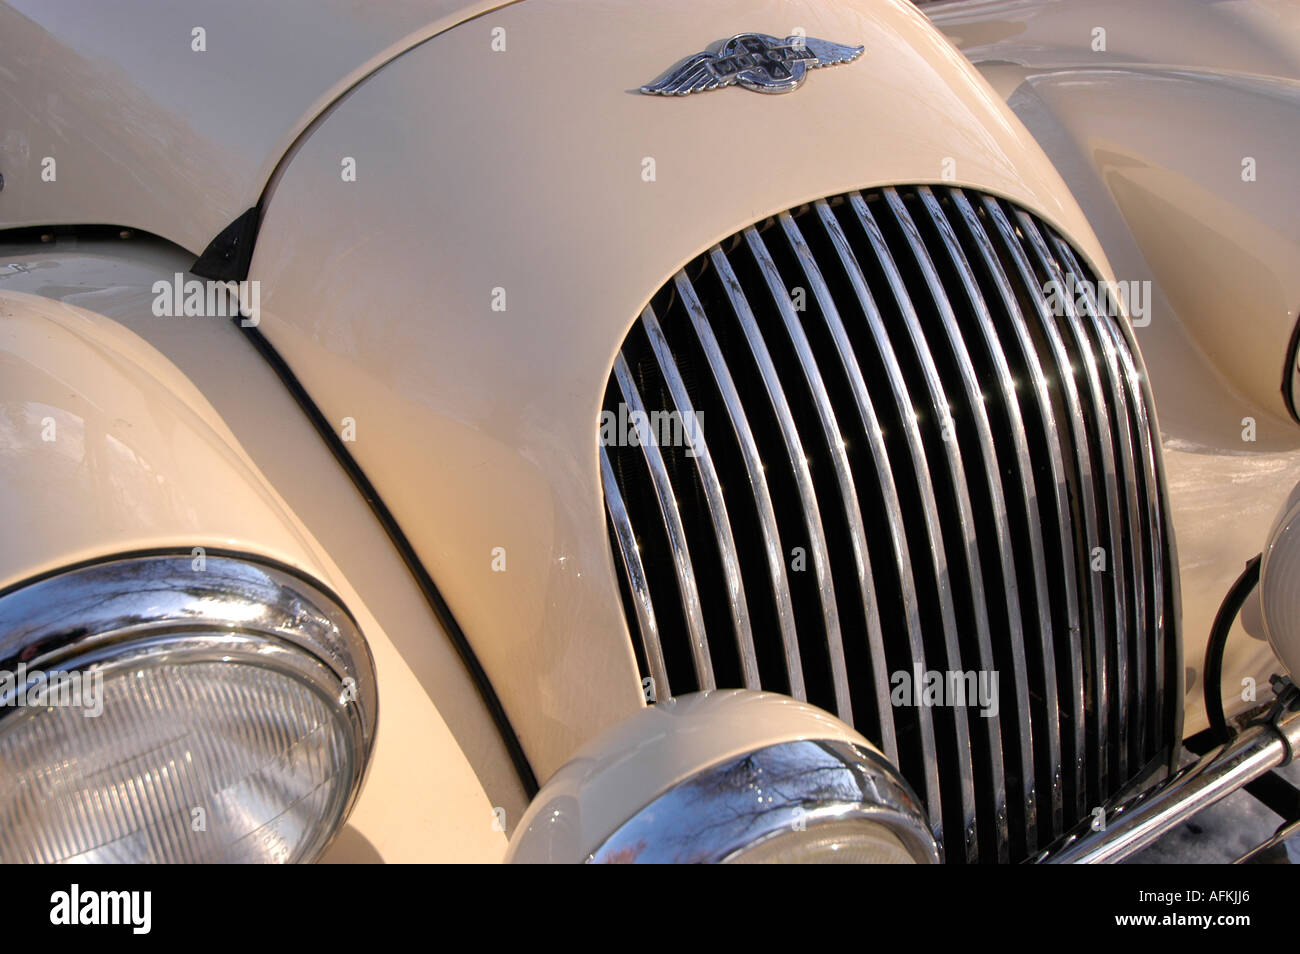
[(844, 478), (941, 408), (902, 400), (1129, 704), (1164, 561), (879, 452), (1040, 387), (993, 476), (1128, 390), (798, 461), (921, 471), (711, 816), (974, 397), (1137, 577), (1136, 824), (757, 482), (640, 586), (1128, 450), (1064, 373), (717, 505), (682, 566)]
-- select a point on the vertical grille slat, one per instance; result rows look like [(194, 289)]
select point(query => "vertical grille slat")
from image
[(717, 506), (1043, 416), (1136, 582), (1062, 373), (753, 466), (1126, 458), (798, 462), (907, 416), (1005, 382), (923, 401), (1011, 638), (1115, 556), (647, 625), (879, 455), (941, 415), (835, 447), (1139, 461), (681, 553), (1167, 684)]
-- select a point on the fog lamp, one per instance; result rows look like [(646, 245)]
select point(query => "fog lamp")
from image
[(732, 776)]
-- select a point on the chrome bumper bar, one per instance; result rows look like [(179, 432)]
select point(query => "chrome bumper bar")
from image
[(1137, 823)]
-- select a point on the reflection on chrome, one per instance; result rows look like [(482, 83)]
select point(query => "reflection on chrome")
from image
[(726, 812)]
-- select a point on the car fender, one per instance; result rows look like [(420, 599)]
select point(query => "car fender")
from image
[(107, 448)]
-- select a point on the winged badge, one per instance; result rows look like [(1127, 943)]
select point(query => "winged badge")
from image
[(765, 64)]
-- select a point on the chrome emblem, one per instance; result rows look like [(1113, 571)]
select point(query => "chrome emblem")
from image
[(765, 64)]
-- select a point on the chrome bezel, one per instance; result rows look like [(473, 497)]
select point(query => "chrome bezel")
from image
[(174, 608), (835, 781)]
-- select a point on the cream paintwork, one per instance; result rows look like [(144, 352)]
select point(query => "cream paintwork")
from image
[(1150, 133), (1279, 586), (147, 132), (115, 278), (622, 770), (107, 447), (141, 459), (1223, 506), (478, 426)]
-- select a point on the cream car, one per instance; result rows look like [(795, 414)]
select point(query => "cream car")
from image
[(461, 430)]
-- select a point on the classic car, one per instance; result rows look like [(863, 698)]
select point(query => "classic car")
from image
[(562, 430)]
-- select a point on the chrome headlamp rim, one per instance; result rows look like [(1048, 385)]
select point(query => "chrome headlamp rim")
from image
[(679, 767), (834, 781), (201, 605)]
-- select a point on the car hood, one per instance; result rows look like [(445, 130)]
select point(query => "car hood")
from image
[(147, 130)]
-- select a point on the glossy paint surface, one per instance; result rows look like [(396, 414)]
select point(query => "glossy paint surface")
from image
[(146, 130), (102, 434)]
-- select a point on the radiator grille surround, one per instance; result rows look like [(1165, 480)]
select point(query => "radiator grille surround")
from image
[(914, 457)]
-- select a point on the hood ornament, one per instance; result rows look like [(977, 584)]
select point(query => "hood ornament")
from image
[(765, 64)]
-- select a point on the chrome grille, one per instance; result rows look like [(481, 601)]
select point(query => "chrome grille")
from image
[(910, 461)]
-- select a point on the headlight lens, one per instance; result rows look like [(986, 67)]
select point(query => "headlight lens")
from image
[(174, 710)]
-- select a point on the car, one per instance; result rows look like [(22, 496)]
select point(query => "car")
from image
[(472, 430)]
